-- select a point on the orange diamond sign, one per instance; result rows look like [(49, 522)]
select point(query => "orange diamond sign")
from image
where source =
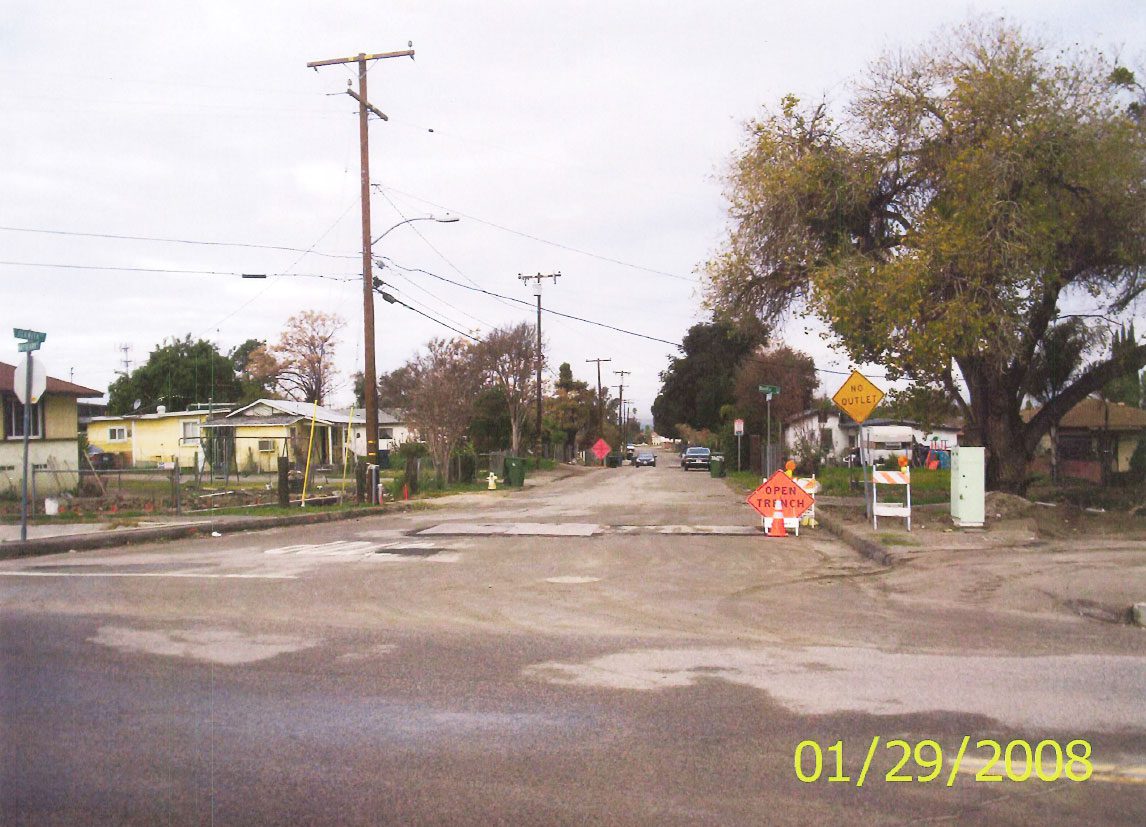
[(794, 500), (858, 397), (601, 449)]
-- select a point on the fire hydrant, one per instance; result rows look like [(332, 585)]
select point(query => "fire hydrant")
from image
[(492, 481)]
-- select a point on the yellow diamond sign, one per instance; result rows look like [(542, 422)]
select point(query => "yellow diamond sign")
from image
[(858, 397)]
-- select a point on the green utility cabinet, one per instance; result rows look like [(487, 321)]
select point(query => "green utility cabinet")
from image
[(968, 486)]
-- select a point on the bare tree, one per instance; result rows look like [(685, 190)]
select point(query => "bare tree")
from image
[(304, 356), (446, 384), (508, 358)]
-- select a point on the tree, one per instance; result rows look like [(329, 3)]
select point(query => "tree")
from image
[(177, 373), (508, 359), (1057, 360), (571, 412), (446, 381), (793, 372), (1126, 388), (971, 192), (304, 356), (924, 404), (698, 383), (490, 429), (256, 369)]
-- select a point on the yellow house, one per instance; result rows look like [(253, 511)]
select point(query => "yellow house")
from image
[(253, 437), (149, 440), (53, 446)]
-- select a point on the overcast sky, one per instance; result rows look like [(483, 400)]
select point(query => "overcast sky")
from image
[(586, 138)]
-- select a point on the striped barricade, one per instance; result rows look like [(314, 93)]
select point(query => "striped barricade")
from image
[(879, 509)]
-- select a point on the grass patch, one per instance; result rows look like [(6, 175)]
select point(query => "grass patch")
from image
[(898, 540)]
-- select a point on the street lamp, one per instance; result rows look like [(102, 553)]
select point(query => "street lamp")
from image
[(445, 219), (369, 378)]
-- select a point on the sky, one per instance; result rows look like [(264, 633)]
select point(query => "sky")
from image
[(151, 153)]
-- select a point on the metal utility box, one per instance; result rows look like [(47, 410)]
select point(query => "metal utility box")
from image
[(968, 484)]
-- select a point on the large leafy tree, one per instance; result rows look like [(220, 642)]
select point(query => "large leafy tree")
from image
[(791, 371), (571, 413), (699, 382), (969, 195), (178, 373)]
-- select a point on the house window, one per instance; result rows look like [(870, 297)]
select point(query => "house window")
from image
[(14, 419), (826, 443), (116, 434), (385, 433), (266, 445), (191, 430)]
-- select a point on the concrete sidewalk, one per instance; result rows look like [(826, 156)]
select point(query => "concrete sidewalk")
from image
[(53, 538)]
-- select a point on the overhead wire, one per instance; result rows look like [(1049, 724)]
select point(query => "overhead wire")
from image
[(381, 188), (175, 241)]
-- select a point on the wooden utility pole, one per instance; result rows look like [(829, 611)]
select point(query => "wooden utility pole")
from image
[(369, 379), (621, 405), (600, 396), (537, 291)]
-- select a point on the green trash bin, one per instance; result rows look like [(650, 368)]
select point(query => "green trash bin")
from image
[(515, 471), (716, 466)]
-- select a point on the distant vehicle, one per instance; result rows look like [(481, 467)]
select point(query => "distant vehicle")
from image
[(630, 451), (696, 457), (645, 457)]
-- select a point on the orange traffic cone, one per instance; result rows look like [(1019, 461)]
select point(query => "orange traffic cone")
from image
[(777, 527)]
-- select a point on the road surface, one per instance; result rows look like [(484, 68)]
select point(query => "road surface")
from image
[(619, 646)]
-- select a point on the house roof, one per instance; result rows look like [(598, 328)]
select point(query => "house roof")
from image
[(8, 373), (156, 415), (294, 411), (255, 421), (1095, 414)]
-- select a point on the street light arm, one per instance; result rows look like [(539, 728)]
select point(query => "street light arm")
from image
[(450, 219)]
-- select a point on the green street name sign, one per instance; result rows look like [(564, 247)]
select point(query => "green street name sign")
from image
[(770, 390), (29, 335)]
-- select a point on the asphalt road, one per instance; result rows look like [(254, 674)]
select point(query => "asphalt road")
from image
[(617, 647)]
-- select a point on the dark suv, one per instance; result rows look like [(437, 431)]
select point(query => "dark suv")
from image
[(696, 457)]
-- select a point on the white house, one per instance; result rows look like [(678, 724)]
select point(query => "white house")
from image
[(837, 434), (393, 430)]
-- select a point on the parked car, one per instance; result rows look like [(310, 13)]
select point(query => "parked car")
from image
[(696, 457), (645, 457)]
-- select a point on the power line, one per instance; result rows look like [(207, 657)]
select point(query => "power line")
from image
[(557, 244), (119, 269), (392, 299), (73, 233)]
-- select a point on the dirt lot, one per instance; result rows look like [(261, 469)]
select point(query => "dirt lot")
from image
[(1029, 557)]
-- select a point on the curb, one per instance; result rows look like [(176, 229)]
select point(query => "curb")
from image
[(868, 548), (224, 525)]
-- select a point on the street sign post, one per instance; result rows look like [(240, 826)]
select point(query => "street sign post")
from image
[(769, 391), (738, 429), (858, 397), (32, 339), (601, 449)]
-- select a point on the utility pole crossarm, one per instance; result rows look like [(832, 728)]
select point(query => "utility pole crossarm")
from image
[(374, 109), (334, 61)]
